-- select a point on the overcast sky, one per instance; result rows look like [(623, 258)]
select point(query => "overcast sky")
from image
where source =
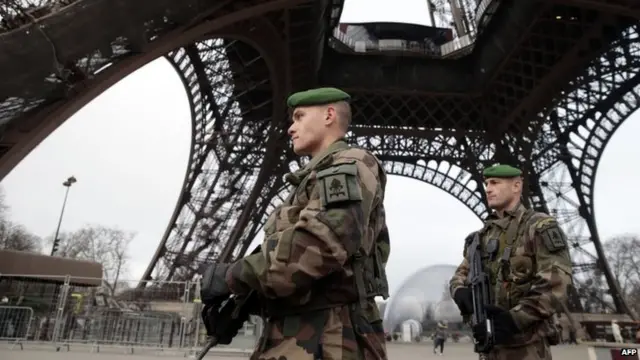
[(128, 149)]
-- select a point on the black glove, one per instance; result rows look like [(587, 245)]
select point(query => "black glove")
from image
[(214, 283), (504, 327), (463, 298), (218, 322), (225, 319)]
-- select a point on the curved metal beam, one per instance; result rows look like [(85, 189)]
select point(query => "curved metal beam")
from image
[(570, 45), (23, 134), (450, 178), (584, 174), (570, 146), (212, 185), (259, 33), (626, 8), (268, 36)]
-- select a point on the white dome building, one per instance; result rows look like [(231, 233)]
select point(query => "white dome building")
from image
[(423, 297), (446, 309), (408, 308)]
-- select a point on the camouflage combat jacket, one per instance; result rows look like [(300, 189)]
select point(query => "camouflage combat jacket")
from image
[(322, 261), (527, 258)]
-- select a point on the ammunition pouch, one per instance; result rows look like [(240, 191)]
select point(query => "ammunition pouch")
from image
[(375, 276)]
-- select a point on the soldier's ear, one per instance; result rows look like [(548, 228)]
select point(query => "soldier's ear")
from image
[(517, 184), (331, 115)]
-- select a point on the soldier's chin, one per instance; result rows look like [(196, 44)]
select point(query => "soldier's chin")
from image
[(494, 205), (300, 151)]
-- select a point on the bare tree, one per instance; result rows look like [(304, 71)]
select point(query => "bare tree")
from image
[(623, 255), (4, 208), (15, 236), (105, 245)]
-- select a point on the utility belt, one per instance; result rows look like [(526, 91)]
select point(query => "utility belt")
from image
[(293, 318), (320, 299), (279, 309)]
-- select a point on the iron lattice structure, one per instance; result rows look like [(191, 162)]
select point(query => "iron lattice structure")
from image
[(543, 85)]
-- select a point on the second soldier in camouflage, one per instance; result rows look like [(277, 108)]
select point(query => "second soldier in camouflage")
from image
[(526, 254)]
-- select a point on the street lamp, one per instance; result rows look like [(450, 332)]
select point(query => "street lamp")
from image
[(70, 181)]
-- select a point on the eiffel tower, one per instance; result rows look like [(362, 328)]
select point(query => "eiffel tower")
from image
[(542, 84)]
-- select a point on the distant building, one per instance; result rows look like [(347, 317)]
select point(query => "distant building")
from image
[(421, 298), (446, 309)]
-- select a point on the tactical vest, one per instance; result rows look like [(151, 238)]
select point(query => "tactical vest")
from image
[(497, 253), (499, 265), (369, 272)]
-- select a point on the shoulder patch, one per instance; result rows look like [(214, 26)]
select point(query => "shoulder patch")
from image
[(552, 236), (339, 183)]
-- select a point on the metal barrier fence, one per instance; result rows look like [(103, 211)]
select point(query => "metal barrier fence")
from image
[(15, 323), (160, 315)]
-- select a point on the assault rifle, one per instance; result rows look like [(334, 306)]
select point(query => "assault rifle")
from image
[(481, 291), (225, 316)]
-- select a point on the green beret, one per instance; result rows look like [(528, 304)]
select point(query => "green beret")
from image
[(501, 171), (318, 96)]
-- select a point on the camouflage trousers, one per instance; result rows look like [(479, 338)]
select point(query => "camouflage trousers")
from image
[(538, 350), (326, 334)]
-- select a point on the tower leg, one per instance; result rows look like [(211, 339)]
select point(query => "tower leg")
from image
[(567, 154), (231, 116)]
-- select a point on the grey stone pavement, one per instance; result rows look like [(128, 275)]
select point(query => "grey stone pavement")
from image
[(397, 351)]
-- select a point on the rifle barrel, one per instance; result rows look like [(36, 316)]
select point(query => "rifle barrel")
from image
[(481, 294), (213, 341)]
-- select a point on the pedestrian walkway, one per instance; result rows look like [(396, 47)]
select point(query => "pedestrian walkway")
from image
[(397, 351)]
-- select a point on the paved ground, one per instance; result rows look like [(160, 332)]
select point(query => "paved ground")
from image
[(465, 352), (396, 352)]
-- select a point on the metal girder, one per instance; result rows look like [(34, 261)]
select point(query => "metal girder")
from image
[(299, 31), (571, 142), (630, 8), (416, 112), (335, 12), (240, 139), (458, 182), (234, 174), (411, 122), (450, 128), (54, 61), (37, 94), (228, 149), (561, 42), (451, 162), (583, 267)]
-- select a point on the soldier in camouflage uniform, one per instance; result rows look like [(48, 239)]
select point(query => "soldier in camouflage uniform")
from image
[(526, 255), (325, 249)]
